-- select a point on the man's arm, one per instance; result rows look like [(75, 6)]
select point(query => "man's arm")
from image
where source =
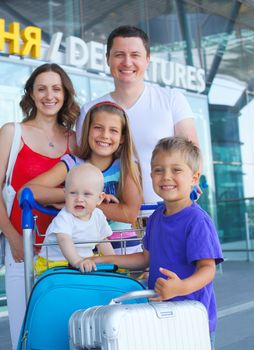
[(186, 128)]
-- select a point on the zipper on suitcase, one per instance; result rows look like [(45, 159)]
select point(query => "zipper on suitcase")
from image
[(24, 339)]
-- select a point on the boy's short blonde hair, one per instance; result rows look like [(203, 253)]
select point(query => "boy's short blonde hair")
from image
[(190, 152)]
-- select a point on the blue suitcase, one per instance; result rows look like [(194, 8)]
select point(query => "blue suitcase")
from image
[(61, 291)]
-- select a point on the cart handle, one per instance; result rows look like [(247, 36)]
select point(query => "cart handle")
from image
[(27, 203), (136, 294)]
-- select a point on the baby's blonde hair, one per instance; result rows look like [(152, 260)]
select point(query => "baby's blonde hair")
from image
[(86, 170)]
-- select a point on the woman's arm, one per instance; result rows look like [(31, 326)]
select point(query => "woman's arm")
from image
[(128, 209), (44, 186), (13, 237)]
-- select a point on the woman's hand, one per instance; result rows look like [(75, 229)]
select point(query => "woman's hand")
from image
[(16, 245)]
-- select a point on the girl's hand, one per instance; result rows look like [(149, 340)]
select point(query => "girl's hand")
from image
[(87, 265), (110, 198), (58, 205), (168, 288)]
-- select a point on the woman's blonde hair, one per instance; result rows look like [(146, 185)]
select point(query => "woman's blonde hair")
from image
[(126, 151)]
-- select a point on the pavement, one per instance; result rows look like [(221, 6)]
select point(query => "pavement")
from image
[(234, 287)]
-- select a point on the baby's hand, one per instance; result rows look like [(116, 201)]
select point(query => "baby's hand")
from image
[(167, 288), (87, 265)]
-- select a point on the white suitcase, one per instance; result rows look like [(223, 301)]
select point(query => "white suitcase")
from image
[(179, 325)]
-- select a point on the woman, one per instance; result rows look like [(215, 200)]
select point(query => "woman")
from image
[(50, 111)]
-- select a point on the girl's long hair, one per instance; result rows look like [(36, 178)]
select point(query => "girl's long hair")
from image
[(126, 151)]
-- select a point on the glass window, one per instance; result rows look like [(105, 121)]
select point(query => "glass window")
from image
[(81, 86), (100, 87), (11, 90)]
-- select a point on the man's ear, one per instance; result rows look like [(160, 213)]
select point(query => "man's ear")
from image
[(101, 198)]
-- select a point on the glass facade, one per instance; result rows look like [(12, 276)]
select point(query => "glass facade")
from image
[(215, 36)]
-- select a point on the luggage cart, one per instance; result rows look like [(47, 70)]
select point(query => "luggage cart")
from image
[(60, 291), (28, 203)]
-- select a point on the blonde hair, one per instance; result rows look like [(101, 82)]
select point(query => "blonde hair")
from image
[(190, 152), (126, 151), (86, 170)]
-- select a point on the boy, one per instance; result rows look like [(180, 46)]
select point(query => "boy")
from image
[(181, 246), (78, 221)]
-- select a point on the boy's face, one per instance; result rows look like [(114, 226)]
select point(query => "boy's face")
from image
[(172, 178), (82, 195)]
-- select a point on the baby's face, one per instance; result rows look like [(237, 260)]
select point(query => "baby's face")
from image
[(82, 197)]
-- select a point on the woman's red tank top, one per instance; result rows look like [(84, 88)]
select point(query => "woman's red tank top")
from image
[(30, 164)]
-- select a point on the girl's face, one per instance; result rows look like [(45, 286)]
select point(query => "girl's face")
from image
[(48, 94), (105, 134)]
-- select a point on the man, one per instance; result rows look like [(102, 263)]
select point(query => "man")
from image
[(154, 112)]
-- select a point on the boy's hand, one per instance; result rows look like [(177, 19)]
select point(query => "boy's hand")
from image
[(87, 265), (168, 288)]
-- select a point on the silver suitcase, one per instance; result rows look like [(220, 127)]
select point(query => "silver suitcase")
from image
[(179, 325)]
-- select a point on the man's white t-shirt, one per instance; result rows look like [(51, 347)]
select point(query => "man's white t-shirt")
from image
[(95, 229), (151, 118)]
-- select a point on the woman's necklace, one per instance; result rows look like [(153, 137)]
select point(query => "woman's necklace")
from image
[(50, 142)]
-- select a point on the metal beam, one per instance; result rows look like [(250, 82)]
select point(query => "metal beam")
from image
[(185, 31), (222, 46)]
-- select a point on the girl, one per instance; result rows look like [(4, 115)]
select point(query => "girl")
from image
[(107, 144), (50, 111)]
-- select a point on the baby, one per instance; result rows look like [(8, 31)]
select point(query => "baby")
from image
[(78, 221)]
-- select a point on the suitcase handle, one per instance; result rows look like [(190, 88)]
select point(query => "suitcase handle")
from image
[(136, 294)]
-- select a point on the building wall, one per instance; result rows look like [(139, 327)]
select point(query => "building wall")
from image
[(215, 37)]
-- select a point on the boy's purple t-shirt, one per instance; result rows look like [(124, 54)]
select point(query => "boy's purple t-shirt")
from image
[(176, 242)]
